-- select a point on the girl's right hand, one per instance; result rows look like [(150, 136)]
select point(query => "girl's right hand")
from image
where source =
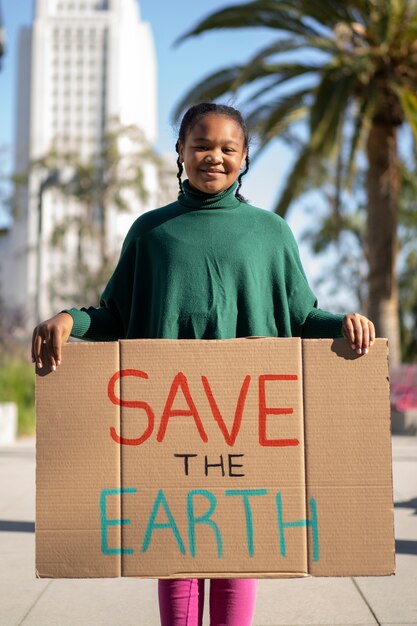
[(48, 339)]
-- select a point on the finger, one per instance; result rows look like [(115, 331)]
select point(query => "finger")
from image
[(358, 334), (52, 362), (48, 351), (38, 350), (371, 333), (56, 347), (365, 335), (32, 347), (349, 332)]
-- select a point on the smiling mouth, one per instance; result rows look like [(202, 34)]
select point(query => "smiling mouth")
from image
[(213, 172)]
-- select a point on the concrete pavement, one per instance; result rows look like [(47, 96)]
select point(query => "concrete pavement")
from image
[(124, 602)]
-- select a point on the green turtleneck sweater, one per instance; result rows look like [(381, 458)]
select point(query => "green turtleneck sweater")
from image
[(207, 267)]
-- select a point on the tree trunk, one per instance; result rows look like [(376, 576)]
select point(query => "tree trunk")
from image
[(383, 183)]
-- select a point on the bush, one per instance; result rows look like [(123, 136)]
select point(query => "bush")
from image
[(17, 384)]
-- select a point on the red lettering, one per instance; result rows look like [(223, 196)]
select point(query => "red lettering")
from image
[(134, 404), (230, 438), (180, 381), (265, 410)]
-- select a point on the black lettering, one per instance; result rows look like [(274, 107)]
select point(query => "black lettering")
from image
[(185, 457), (207, 464), (232, 465)]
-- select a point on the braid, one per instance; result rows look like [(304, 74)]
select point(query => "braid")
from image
[(180, 169), (239, 180)]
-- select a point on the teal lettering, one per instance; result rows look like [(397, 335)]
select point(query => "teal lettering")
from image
[(311, 523), (153, 525), (246, 494), (203, 519), (112, 522)]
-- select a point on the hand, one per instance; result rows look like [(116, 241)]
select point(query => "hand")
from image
[(359, 331), (48, 339)]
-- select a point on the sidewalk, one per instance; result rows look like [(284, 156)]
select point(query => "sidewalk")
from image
[(127, 602)]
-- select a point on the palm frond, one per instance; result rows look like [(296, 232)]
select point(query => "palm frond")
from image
[(209, 88), (229, 80), (290, 44), (325, 12), (408, 101), (287, 44), (395, 10), (273, 14), (295, 182), (327, 112), (272, 121), (360, 123), (279, 72), (286, 74)]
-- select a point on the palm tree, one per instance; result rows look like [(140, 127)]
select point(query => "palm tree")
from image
[(348, 70)]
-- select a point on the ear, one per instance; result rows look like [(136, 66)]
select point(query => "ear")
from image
[(180, 151), (245, 153)]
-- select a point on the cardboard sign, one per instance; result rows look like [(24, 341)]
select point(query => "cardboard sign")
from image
[(257, 457)]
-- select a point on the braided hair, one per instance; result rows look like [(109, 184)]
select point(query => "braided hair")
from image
[(194, 115)]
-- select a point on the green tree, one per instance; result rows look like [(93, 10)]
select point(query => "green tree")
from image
[(348, 71), (4, 193), (17, 384), (343, 235), (112, 179), (408, 265)]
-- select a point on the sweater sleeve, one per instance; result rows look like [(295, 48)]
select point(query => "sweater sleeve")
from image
[(110, 320), (321, 324)]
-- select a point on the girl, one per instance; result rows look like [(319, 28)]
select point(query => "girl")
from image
[(208, 266)]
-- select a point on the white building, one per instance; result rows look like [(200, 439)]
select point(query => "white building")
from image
[(81, 63)]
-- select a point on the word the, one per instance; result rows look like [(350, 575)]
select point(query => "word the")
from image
[(180, 385), (206, 519), (231, 466)]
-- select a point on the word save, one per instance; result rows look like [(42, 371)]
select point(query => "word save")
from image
[(181, 386)]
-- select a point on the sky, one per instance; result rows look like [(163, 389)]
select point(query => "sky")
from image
[(178, 68)]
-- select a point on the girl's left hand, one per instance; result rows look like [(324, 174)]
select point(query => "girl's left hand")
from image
[(359, 331)]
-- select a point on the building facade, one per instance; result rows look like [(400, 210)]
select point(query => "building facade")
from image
[(81, 64)]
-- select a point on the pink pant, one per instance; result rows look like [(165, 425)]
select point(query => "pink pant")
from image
[(232, 601)]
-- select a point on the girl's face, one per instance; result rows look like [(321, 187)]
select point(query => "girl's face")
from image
[(213, 153)]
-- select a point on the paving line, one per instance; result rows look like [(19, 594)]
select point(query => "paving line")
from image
[(366, 601), (35, 602)]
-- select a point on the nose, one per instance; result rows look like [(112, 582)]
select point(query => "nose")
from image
[(213, 157)]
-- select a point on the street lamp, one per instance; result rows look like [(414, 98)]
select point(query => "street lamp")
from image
[(51, 180)]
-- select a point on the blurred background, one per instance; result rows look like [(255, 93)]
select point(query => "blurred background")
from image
[(92, 92)]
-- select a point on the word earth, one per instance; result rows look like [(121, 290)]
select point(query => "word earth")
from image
[(206, 519)]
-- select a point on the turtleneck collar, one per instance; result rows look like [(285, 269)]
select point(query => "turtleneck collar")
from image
[(195, 199)]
